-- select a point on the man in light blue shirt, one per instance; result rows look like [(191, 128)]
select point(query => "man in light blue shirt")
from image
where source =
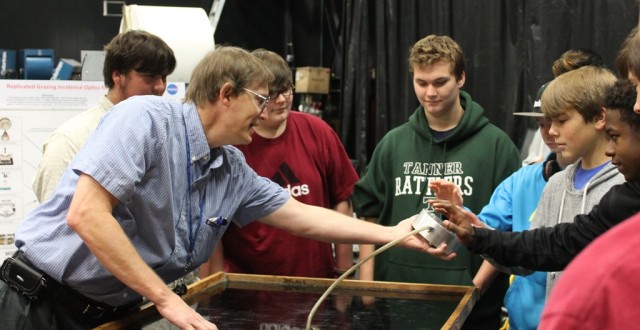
[(147, 198)]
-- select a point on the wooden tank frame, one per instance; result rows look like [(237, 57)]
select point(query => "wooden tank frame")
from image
[(465, 296)]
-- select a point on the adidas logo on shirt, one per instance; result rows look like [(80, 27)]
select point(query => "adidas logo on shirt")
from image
[(288, 180)]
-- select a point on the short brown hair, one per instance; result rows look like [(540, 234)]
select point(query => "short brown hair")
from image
[(628, 58), (225, 64), (137, 50), (432, 49), (582, 89), (282, 76), (576, 58)]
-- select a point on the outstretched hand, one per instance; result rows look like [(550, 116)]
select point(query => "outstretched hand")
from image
[(447, 190), (459, 220), (418, 242)]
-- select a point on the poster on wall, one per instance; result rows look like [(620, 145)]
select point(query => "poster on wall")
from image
[(30, 111)]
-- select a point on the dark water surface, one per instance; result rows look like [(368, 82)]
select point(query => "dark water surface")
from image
[(281, 310)]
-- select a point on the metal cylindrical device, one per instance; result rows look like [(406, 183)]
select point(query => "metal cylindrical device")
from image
[(435, 233)]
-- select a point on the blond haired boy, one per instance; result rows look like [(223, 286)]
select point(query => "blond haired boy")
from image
[(574, 102)]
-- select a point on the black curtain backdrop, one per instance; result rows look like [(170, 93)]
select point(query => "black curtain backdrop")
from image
[(310, 26), (509, 48)]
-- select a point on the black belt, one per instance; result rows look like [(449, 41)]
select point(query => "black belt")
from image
[(86, 307)]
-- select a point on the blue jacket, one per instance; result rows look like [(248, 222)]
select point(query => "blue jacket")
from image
[(511, 208)]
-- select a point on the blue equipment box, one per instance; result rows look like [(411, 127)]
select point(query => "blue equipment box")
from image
[(35, 64)]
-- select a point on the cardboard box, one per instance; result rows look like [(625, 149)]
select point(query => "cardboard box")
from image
[(312, 80)]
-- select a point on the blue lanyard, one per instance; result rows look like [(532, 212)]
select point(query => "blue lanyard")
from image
[(192, 234)]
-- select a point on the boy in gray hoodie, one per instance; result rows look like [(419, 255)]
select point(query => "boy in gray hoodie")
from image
[(574, 102)]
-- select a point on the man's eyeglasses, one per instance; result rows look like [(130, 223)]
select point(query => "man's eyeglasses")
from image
[(262, 100), (286, 93)]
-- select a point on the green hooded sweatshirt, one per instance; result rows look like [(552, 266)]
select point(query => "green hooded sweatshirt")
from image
[(476, 156)]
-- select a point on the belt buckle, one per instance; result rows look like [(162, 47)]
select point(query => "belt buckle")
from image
[(99, 311)]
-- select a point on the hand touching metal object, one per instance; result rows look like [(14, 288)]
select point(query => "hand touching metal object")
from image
[(460, 221)]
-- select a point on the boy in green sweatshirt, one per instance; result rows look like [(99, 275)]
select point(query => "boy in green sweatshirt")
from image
[(448, 138)]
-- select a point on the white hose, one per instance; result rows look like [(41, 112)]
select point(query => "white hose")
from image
[(353, 268)]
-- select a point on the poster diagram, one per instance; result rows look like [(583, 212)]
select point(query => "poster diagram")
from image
[(5, 125), (29, 112)]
